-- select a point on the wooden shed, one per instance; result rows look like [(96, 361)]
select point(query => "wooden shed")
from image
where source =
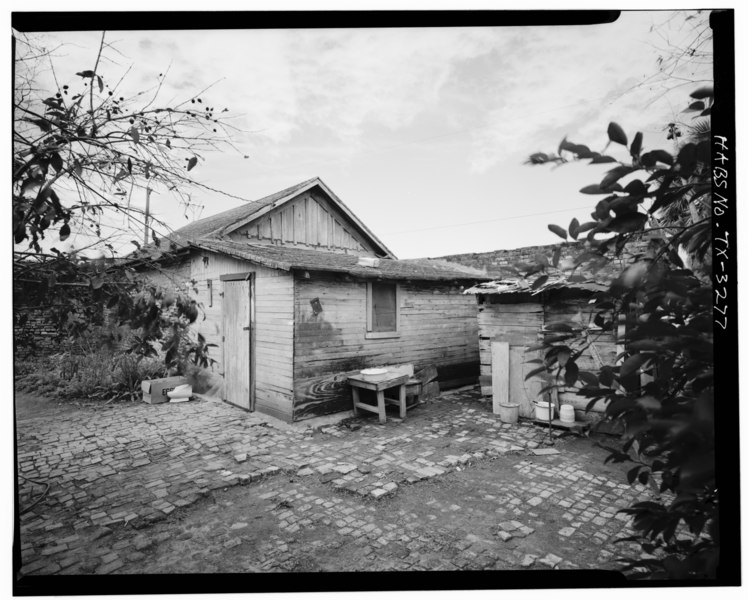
[(516, 316), (298, 293)]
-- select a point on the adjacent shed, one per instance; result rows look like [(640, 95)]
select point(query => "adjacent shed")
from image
[(297, 294), (509, 311)]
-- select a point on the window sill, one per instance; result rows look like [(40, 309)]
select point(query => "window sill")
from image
[(381, 335)]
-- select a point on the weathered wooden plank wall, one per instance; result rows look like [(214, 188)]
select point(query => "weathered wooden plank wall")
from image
[(273, 326), (602, 353), (438, 326), (309, 221), (520, 324)]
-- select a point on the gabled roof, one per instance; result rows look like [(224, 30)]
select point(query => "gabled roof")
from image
[(223, 223), (289, 259)]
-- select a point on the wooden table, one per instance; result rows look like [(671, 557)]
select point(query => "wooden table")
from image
[(358, 382)]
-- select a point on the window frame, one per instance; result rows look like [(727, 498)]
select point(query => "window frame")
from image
[(379, 335)]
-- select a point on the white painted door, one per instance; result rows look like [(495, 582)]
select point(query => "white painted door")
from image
[(236, 343)]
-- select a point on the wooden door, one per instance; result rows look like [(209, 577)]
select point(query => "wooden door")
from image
[(523, 392), (237, 332)]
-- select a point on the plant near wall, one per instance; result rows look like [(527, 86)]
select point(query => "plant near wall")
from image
[(82, 151), (661, 387)]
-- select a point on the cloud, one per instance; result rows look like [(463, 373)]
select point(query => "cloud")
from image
[(574, 81)]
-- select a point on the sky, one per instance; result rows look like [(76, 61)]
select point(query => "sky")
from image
[(422, 132)]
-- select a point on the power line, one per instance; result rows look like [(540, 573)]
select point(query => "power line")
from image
[(550, 212)]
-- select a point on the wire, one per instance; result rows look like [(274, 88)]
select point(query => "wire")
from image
[(550, 212)]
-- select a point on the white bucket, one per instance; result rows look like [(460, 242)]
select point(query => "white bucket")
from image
[(180, 392), (541, 410), (567, 413)]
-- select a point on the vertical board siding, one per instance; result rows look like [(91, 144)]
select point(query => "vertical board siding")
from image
[(273, 327), (520, 325), (309, 221), (438, 326)]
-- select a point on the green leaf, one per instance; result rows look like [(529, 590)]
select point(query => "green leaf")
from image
[(616, 134), (574, 228), (698, 105), (632, 364), (636, 145), (601, 158), (686, 159), (192, 162), (614, 175), (534, 372), (636, 188), (706, 91), (86, 74), (134, 134), (64, 232), (56, 161), (631, 475), (588, 378), (628, 223), (570, 375), (559, 231), (97, 282), (606, 375), (101, 83), (539, 281)]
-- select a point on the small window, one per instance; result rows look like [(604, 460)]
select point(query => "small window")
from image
[(383, 310)]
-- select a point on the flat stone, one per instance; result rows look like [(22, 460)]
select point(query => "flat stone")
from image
[(544, 451), (110, 567), (550, 560), (239, 525), (528, 560), (378, 493), (240, 458)]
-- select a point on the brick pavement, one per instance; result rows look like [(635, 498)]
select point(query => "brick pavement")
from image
[(123, 477)]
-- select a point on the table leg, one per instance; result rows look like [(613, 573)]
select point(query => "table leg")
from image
[(354, 390), (380, 406), (402, 401)]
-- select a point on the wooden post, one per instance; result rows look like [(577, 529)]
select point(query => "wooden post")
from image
[(499, 374)]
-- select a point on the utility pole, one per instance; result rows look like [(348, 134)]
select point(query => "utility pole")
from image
[(147, 214)]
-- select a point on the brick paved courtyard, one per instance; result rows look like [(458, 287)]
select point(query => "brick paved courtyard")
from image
[(204, 487)]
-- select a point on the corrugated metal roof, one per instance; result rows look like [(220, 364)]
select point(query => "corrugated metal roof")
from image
[(287, 259), (521, 285)]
